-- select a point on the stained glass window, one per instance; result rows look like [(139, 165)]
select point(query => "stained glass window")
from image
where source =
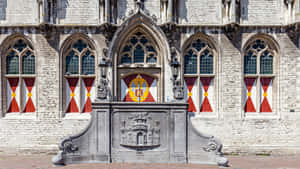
[(20, 45), (20, 62), (190, 63), (198, 64), (88, 63), (206, 62), (138, 49), (79, 45), (72, 63), (199, 52), (250, 63), (258, 90), (12, 63), (28, 63), (80, 86), (258, 49), (266, 63)]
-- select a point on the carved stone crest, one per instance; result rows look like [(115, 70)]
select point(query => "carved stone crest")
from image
[(139, 130)]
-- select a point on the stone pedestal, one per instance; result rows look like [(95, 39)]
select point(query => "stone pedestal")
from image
[(140, 133)]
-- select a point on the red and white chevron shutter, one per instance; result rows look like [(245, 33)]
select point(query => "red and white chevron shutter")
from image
[(143, 88), (207, 93), (29, 97), (13, 95), (72, 95), (88, 94), (190, 87), (266, 95), (250, 93)]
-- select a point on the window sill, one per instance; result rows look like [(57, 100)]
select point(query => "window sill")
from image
[(204, 115), (77, 116), (20, 116), (259, 116)]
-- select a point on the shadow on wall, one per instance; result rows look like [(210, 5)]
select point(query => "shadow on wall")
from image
[(63, 5), (244, 9), (3, 6)]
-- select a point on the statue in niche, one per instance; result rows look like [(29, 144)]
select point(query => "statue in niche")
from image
[(40, 10), (230, 10), (290, 10), (164, 12), (102, 10), (139, 4)]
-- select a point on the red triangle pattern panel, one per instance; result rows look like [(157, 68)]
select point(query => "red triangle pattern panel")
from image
[(72, 105), (206, 106), (88, 85), (129, 79), (265, 106), (190, 81), (13, 107), (249, 106), (29, 82)]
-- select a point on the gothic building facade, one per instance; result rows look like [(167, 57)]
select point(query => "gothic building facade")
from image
[(235, 62)]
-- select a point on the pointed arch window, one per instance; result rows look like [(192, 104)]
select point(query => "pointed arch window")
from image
[(79, 77), (259, 76), (199, 75), (20, 77), (138, 49)]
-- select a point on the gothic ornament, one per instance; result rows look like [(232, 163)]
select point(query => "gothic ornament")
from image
[(103, 83)]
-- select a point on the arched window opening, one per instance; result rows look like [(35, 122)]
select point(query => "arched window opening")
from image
[(20, 85), (79, 77), (139, 49), (259, 76), (199, 75)]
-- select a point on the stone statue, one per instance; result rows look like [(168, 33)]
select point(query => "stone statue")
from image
[(40, 11), (230, 10), (164, 12), (290, 10)]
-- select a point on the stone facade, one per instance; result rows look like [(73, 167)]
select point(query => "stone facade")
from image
[(229, 26)]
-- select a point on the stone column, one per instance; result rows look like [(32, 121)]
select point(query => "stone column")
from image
[(107, 10), (170, 10)]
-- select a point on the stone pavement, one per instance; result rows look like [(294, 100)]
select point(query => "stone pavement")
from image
[(236, 162)]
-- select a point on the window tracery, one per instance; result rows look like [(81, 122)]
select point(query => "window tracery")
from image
[(199, 75), (138, 49), (259, 75), (79, 77), (20, 77)]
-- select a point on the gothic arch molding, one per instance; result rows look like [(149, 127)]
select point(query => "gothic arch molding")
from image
[(145, 24)]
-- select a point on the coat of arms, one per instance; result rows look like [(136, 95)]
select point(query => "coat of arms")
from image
[(140, 130)]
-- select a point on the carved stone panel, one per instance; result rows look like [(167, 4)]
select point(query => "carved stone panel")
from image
[(140, 136)]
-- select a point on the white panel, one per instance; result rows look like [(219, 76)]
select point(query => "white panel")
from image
[(68, 93), (83, 95), (253, 94), (195, 95), (24, 95), (153, 89), (211, 93), (124, 90), (9, 92), (77, 94)]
